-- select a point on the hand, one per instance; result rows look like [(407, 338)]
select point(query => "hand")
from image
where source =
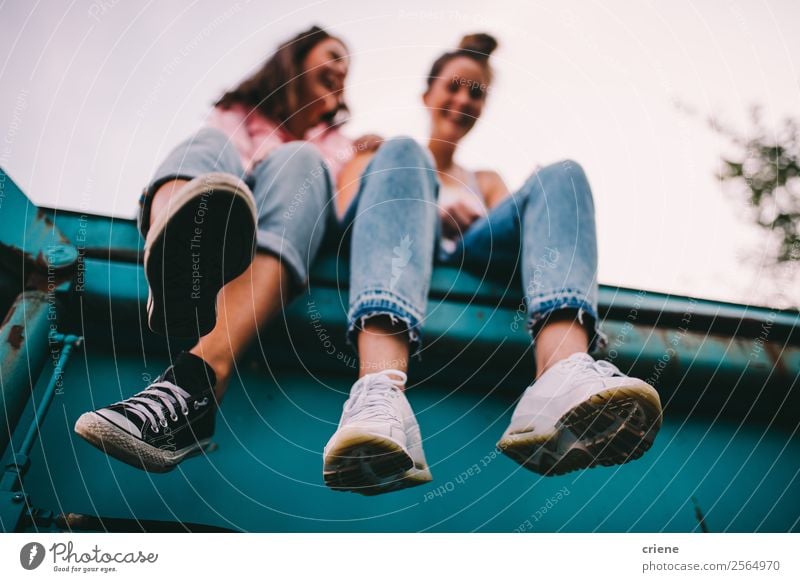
[(367, 143), (458, 215)]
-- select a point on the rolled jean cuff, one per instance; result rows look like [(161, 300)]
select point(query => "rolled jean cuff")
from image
[(284, 250), (146, 199), (542, 307), (381, 302)]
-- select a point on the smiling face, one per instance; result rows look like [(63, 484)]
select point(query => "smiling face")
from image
[(456, 98), (322, 84)]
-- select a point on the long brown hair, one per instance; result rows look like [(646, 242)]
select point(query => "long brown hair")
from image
[(477, 47), (274, 89)]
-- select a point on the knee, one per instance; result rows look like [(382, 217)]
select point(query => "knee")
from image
[(566, 169), (564, 176), (297, 155), (214, 146), (402, 169), (404, 151), (211, 135)]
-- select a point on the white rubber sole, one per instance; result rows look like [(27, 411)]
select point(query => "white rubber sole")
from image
[(414, 477), (115, 442), (612, 427), (356, 460), (419, 474), (349, 467)]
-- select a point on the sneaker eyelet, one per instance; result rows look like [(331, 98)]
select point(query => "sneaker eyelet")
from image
[(173, 417), (163, 422), (185, 412), (154, 428)]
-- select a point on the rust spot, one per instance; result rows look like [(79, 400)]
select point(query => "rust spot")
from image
[(775, 355), (34, 267), (42, 216), (15, 336), (40, 261)]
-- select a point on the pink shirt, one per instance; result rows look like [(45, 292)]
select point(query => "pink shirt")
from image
[(256, 137)]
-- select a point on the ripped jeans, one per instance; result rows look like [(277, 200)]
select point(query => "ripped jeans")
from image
[(543, 236)]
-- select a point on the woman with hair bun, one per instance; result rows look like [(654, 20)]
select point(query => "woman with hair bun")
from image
[(578, 412)]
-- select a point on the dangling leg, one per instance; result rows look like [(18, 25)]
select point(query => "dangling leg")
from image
[(292, 193), (174, 417), (579, 412), (377, 447)]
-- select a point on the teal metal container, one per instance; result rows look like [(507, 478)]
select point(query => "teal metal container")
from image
[(726, 459)]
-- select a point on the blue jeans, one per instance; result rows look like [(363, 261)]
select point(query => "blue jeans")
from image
[(395, 229), (292, 190), (543, 235), (546, 230)]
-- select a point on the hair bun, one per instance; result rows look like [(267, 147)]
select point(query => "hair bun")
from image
[(479, 45)]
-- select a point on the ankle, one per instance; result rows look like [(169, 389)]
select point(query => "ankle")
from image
[(223, 367), (558, 339), (393, 366), (544, 363), (398, 377)]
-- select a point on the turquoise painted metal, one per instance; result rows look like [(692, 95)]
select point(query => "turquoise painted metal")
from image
[(23, 337), (727, 457)]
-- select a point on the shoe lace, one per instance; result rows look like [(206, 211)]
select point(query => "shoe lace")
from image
[(370, 396), (586, 365), (150, 403)]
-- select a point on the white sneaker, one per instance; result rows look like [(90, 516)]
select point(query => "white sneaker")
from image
[(419, 474), (377, 447), (579, 414)]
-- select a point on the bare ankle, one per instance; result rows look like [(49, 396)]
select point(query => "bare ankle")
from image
[(372, 367), (557, 341), (382, 345)]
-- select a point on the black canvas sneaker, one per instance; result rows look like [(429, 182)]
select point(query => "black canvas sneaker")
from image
[(203, 239), (170, 420)]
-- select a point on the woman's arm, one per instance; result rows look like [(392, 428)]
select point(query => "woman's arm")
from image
[(493, 189)]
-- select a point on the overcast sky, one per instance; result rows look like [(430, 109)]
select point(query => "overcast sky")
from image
[(95, 93)]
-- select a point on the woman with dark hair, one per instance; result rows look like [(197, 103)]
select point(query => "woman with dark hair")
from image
[(578, 412), (240, 207)]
